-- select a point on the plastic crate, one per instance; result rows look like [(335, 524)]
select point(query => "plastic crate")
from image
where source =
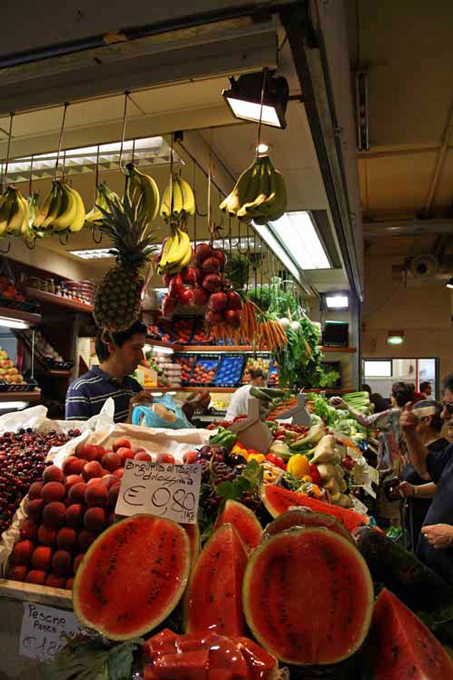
[(186, 362), (252, 362), (205, 362), (28, 386), (229, 370)]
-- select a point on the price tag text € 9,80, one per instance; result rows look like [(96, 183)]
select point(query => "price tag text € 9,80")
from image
[(160, 489)]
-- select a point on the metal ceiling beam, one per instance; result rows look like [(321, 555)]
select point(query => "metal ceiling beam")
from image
[(406, 228), (426, 210)]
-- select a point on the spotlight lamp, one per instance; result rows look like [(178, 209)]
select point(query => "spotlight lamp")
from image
[(450, 283), (244, 98), (395, 338)]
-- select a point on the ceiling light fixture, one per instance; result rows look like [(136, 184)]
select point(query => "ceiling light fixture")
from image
[(244, 98), (450, 283), (13, 323), (337, 301), (159, 350), (262, 148), (395, 338), (93, 254)]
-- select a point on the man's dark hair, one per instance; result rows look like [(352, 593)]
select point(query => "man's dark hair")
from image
[(403, 392), (119, 339), (257, 373), (424, 385), (366, 388), (448, 383)]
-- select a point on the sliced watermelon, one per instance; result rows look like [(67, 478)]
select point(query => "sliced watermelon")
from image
[(402, 647), (193, 532), (300, 517), (244, 521), (132, 577), (192, 665), (278, 500), (213, 600), (308, 597)]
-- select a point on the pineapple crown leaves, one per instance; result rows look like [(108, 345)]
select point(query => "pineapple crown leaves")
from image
[(128, 230)]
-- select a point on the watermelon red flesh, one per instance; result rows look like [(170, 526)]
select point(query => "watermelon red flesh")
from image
[(278, 500), (190, 665), (193, 532), (244, 521), (214, 597), (297, 517), (402, 647), (132, 577), (308, 597)]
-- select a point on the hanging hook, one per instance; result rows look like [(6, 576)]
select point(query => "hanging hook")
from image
[(123, 132), (60, 238), (263, 90), (11, 116), (94, 230), (238, 247), (30, 243), (60, 141), (5, 252), (30, 178)]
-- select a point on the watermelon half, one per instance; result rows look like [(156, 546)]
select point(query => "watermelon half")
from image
[(278, 500), (308, 597), (401, 646), (244, 521), (132, 577), (213, 600), (300, 517)]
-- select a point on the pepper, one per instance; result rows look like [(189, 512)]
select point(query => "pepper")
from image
[(223, 438), (314, 474), (298, 465), (259, 457), (240, 449), (276, 460)]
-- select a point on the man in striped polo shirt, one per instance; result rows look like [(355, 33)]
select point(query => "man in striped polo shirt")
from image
[(88, 394)]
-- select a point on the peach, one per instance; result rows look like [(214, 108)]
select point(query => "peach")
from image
[(119, 473), (52, 491), (143, 455), (77, 493), (54, 514), (34, 492), (77, 560), (36, 576), (66, 538), (94, 519), (72, 480), (121, 443), (35, 509), (55, 581), (47, 535), (21, 553), (53, 474), (29, 529), (125, 454), (92, 469), (96, 494), (62, 562), (73, 465), (16, 573), (86, 538), (113, 495), (74, 515), (111, 461), (41, 557)]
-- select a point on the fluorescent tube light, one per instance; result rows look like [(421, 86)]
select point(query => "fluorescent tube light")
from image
[(13, 323), (395, 338), (265, 232), (298, 234), (159, 350), (93, 254), (337, 301)]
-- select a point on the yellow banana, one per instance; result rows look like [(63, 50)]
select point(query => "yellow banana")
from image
[(68, 209), (166, 251), (5, 210), (54, 207), (17, 215), (187, 196), (79, 219), (187, 258), (44, 210), (252, 192), (26, 218), (178, 202), (151, 195)]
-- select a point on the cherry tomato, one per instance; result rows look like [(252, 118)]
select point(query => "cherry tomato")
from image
[(276, 460)]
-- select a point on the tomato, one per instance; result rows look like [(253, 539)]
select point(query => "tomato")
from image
[(276, 460)]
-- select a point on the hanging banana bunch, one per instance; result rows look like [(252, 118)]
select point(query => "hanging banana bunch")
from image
[(178, 201), (31, 234), (62, 210), (14, 213), (143, 193), (258, 195), (102, 193)]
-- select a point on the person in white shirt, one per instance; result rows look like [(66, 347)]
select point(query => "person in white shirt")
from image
[(239, 401)]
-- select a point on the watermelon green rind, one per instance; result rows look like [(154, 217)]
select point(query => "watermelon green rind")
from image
[(278, 500), (297, 586), (401, 646), (193, 531), (244, 521), (213, 600), (298, 517), (132, 577)]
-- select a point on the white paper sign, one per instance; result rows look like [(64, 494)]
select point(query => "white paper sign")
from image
[(44, 631), (160, 489), (359, 506), (369, 489), (372, 474)]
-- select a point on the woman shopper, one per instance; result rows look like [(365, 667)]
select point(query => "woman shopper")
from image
[(414, 488)]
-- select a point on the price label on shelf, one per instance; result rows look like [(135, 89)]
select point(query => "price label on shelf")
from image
[(160, 489), (359, 506), (372, 474), (45, 630)]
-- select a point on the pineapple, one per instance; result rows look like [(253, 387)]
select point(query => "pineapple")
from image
[(117, 300)]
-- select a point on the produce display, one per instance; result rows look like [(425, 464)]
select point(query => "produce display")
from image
[(9, 374), (186, 364), (22, 456), (63, 210), (182, 330), (258, 363), (9, 291), (102, 193), (229, 371), (14, 213), (204, 371)]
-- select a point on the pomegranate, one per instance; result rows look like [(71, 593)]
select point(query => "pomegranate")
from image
[(187, 297), (220, 256), (175, 285), (233, 317), (217, 301), (202, 252), (233, 300), (212, 283), (168, 306), (211, 265), (200, 295), (212, 318), (189, 276), (166, 279), (198, 275)]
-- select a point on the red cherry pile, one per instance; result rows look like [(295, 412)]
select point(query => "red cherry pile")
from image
[(22, 456), (68, 509)]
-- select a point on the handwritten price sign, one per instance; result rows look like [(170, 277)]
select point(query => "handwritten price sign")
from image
[(45, 631), (160, 489)]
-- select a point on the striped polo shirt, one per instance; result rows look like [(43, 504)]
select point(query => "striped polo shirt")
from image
[(88, 394)]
